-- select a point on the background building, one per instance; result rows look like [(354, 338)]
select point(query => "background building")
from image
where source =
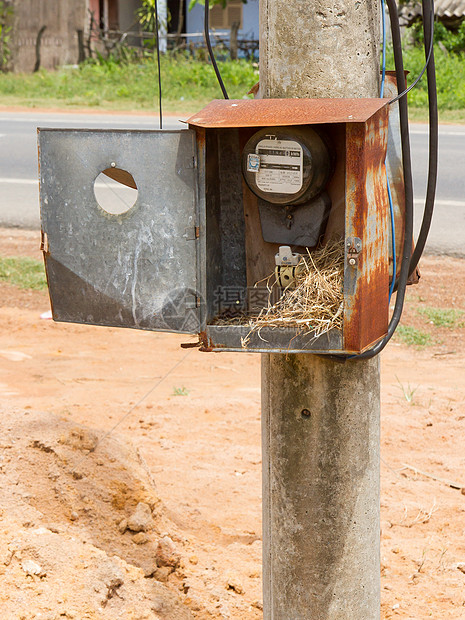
[(52, 33)]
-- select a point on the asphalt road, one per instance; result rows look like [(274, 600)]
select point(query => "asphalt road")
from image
[(19, 202)]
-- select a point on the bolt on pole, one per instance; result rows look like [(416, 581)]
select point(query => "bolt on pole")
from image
[(320, 427)]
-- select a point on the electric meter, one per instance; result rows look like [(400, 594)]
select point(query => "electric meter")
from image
[(286, 165)]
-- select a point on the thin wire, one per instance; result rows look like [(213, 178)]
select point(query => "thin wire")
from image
[(158, 62), (210, 50), (391, 206), (431, 47), (113, 188), (139, 402), (407, 166), (393, 237)]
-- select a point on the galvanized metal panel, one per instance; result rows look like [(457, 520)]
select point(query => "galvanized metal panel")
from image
[(223, 113), (269, 340), (138, 269)]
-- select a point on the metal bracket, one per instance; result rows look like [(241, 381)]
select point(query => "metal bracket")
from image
[(354, 247)]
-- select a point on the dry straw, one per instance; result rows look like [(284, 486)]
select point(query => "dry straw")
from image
[(315, 304)]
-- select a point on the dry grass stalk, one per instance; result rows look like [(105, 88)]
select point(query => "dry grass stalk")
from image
[(315, 304), (423, 516)]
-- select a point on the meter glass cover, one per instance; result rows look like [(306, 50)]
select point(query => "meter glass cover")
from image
[(281, 166)]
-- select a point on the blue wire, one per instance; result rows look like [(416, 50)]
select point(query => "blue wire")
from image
[(391, 206), (393, 234)]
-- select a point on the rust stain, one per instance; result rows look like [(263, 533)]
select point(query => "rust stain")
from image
[(367, 217), (206, 345), (46, 255), (222, 113)]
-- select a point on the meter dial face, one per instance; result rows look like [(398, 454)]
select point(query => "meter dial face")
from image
[(281, 166), (286, 165)]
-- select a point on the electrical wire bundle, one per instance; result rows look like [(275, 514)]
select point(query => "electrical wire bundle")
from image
[(409, 260)]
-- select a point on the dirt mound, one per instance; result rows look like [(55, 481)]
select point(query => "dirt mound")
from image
[(82, 530)]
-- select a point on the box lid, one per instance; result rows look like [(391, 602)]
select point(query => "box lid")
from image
[(281, 112)]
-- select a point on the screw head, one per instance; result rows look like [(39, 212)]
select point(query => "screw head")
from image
[(352, 261), (113, 165)]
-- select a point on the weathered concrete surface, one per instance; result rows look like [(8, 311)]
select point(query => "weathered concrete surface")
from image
[(320, 488), (320, 471), (322, 48)]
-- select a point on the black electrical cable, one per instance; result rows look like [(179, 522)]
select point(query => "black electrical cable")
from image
[(429, 47), (209, 47), (158, 62), (428, 20), (408, 184), (428, 26)]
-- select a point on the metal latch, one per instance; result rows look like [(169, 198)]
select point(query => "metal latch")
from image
[(354, 247)]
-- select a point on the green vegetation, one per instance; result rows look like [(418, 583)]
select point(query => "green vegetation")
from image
[(187, 84), (450, 75), (441, 317), (412, 336), (127, 80), (180, 391), (6, 18), (444, 38), (24, 272), (407, 391)]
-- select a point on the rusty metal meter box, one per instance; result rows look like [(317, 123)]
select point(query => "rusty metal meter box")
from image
[(209, 212)]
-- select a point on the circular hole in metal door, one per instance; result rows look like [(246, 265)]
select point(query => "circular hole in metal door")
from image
[(115, 190)]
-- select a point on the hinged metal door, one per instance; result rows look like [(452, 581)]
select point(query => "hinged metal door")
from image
[(133, 269)]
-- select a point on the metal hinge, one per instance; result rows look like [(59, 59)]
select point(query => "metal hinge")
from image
[(192, 233), (43, 242), (354, 247), (192, 302)]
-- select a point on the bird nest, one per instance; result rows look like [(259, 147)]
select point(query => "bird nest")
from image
[(315, 303)]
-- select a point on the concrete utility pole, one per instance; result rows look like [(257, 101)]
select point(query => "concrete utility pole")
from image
[(321, 442)]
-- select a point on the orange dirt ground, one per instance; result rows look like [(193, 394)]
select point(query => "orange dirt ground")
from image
[(195, 462)]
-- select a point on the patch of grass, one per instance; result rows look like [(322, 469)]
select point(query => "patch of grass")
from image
[(420, 115), (407, 391), (450, 77), (180, 391), (187, 85), (412, 336), (441, 317), (23, 272)]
